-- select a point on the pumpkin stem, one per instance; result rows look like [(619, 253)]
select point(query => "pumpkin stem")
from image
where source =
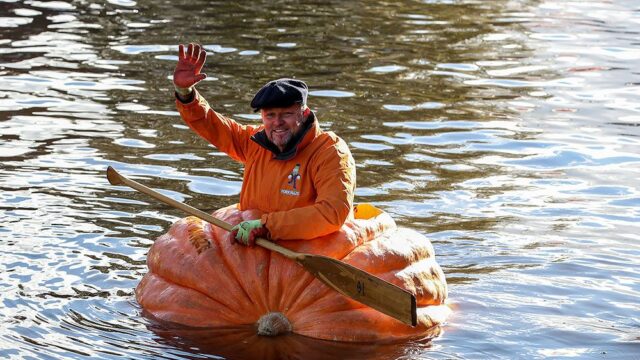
[(273, 324)]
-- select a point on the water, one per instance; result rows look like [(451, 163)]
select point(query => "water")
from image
[(507, 131)]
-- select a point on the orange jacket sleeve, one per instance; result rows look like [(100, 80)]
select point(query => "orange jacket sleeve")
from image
[(224, 133), (334, 179)]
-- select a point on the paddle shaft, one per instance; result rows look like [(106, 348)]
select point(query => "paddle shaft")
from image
[(116, 179), (342, 277)]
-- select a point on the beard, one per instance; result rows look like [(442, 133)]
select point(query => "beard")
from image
[(281, 140)]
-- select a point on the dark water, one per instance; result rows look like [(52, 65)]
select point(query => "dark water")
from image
[(507, 131)]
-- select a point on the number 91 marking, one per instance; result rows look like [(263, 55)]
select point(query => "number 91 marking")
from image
[(360, 288)]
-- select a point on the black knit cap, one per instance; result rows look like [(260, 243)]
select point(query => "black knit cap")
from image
[(280, 93)]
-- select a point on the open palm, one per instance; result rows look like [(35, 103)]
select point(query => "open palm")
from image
[(187, 72)]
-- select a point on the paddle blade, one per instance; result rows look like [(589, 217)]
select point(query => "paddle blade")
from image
[(362, 287), (113, 176)]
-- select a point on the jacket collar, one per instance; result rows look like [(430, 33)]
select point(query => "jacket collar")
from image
[(310, 129)]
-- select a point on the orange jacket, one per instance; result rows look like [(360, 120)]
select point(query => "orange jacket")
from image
[(304, 195)]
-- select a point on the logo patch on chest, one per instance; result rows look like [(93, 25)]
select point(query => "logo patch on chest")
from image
[(292, 181)]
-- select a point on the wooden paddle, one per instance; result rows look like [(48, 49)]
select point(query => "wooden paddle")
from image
[(344, 278)]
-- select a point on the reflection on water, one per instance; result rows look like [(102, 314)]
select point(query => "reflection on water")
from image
[(244, 343), (507, 131)]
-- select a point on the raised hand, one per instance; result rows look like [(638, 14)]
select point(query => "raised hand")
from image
[(187, 72)]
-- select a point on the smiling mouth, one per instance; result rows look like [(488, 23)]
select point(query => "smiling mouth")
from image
[(280, 131)]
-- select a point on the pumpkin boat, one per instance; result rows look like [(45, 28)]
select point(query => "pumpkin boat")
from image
[(197, 277)]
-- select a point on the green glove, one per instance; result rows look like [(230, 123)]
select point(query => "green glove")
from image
[(248, 231)]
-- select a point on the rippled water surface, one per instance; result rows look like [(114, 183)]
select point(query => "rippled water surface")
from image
[(506, 131)]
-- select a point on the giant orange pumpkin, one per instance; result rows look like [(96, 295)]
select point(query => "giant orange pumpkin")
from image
[(198, 278)]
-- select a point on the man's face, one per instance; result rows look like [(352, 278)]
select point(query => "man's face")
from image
[(281, 124)]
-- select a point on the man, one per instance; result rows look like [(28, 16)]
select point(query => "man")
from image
[(301, 177)]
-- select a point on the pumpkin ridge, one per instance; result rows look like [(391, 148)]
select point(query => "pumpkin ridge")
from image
[(311, 280), (352, 305), (265, 285), (263, 301), (318, 305), (296, 303), (236, 276), (221, 249), (362, 231), (299, 291), (190, 288), (365, 234)]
